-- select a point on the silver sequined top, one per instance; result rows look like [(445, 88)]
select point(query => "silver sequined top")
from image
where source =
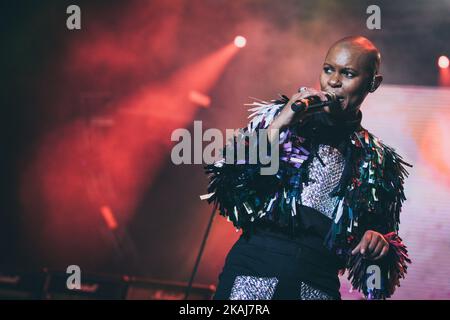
[(323, 179)]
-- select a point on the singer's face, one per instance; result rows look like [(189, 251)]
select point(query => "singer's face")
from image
[(347, 72)]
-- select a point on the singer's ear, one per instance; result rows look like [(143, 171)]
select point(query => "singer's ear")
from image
[(375, 83)]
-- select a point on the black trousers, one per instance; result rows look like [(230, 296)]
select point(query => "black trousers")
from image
[(269, 265)]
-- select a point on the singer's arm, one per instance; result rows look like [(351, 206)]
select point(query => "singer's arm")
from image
[(382, 227)]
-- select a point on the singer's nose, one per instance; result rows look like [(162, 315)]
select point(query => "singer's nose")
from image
[(334, 82)]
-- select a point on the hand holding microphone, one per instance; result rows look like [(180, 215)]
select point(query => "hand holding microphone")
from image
[(303, 103), (314, 102)]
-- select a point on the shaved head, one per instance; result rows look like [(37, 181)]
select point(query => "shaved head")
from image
[(369, 52)]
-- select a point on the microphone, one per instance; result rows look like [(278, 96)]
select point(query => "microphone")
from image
[(314, 102)]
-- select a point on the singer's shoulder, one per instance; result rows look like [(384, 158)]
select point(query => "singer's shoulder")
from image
[(384, 156), (368, 140)]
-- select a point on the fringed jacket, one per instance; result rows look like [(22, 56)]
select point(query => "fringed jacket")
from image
[(369, 195)]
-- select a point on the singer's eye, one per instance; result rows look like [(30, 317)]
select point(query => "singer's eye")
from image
[(349, 74), (327, 70)]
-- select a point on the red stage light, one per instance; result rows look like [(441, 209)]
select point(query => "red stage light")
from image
[(109, 218), (199, 98), (443, 62)]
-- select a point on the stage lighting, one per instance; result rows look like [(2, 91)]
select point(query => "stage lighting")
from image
[(443, 62), (240, 41)]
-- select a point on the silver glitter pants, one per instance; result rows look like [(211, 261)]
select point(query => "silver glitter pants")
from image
[(266, 269)]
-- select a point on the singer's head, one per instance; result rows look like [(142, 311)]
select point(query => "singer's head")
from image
[(350, 67)]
